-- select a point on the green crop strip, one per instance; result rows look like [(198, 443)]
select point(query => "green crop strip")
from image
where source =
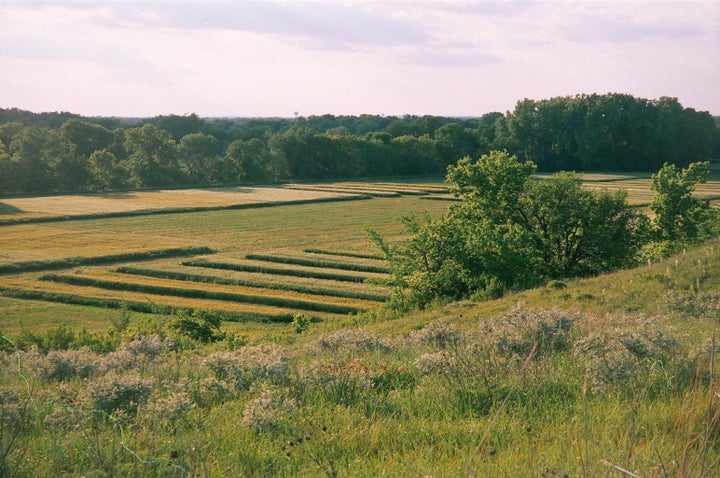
[(201, 294), (249, 283), (277, 271), (343, 254), (70, 262), (297, 261), (143, 307)]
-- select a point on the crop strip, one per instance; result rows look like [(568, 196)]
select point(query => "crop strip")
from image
[(297, 261), (70, 262), (201, 294), (181, 276), (181, 210), (276, 271), (344, 254), (143, 307)]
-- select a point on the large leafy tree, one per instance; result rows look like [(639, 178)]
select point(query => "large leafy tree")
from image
[(681, 218), (512, 231), (153, 156), (198, 154)]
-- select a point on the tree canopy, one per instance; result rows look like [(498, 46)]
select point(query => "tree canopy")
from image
[(512, 231), (586, 132)]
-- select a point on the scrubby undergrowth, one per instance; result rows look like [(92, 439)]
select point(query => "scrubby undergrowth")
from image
[(611, 376)]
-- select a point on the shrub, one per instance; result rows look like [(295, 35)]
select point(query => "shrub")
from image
[(520, 330), (646, 355), (350, 340), (439, 335), (138, 353), (244, 366), (269, 409), (68, 364), (115, 392)]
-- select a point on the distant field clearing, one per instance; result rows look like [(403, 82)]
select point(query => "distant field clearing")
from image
[(75, 205)]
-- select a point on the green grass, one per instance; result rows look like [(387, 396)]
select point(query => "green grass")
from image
[(251, 283), (307, 273), (318, 263), (199, 294), (519, 386)]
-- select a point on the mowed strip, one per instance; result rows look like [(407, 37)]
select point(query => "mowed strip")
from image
[(53, 292), (315, 262), (210, 279), (81, 205), (212, 291), (168, 267), (262, 267)]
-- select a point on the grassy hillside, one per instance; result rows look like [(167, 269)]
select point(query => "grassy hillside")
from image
[(609, 376)]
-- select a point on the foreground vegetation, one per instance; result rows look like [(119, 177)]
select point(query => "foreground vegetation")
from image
[(611, 376)]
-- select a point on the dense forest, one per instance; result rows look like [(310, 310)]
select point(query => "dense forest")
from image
[(64, 152)]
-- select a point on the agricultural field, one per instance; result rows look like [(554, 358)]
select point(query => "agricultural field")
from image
[(259, 255), (300, 250), (614, 375)]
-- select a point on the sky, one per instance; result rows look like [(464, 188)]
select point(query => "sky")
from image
[(341, 57)]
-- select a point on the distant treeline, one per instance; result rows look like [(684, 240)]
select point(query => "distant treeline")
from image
[(63, 152)]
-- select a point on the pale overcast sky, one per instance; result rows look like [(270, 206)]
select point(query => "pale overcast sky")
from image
[(274, 58)]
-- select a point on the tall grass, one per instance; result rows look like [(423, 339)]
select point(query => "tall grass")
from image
[(471, 389)]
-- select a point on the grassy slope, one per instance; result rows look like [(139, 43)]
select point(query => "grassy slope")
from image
[(364, 401)]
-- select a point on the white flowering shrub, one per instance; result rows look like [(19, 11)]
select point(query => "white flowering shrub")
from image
[(646, 355), (243, 367), (435, 362), (138, 353), (116, 392), (439, 335), (269, 409), (351, 341), (521, 330), (65, 365)]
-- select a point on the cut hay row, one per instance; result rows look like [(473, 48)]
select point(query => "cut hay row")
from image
[(70, 262), (277, 271), (135, 306), (160, 274), (355, 255), (201, 294), (402, 187), (441, 198), (182, 210), (297, 261), (344, 190)]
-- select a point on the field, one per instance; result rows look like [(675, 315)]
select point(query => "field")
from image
[(246, 254), (612, 376), (263, 263)]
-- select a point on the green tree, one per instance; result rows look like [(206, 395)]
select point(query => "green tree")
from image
[(87, 137), (198, 156), (153, 156), (680, 218), (511, 231), (106, 171), (247, 161)]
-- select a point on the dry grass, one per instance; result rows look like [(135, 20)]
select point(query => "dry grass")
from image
[(151, 200)]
